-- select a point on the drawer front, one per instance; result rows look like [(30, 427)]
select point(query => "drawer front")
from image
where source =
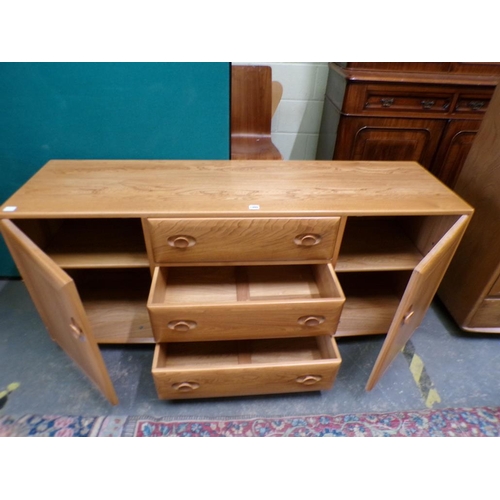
[(472, 102), (219, 303), (245, 321), (487, 315), (240, 376), (396, 100), (195, 241)]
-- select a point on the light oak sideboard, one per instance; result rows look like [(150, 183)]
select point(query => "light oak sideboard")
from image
[(242, 274)]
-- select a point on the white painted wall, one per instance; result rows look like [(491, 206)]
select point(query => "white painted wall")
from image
[(295, 125)]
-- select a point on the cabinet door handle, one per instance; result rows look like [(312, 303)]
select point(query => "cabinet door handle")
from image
[(309, 379), (182, 325), (387, 102), (427, 104), (407, 317), (185, 386), (311, 320), (76, 331), (307, 240), (181, 241)]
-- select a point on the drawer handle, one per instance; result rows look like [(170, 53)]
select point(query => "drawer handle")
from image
[(181, 241), (182, 325), (427, 104), (185, 386), (476, 105), (387, 102), (307, 240), (311, 320), (309, 379)]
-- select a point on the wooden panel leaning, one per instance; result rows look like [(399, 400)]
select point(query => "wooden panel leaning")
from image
[(471, 282)]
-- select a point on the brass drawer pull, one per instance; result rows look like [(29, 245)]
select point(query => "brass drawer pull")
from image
[(309, 379), (311, 320), (182, 325), (475, 105), (181, 241), (387, 102), (307, 240), (427, 104), (185, 386)]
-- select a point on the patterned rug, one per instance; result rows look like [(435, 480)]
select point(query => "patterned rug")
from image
[(453, 422)]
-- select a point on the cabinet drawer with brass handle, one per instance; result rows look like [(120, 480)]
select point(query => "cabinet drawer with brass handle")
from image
[(472, 103), (210, 240), (215, 369), (189, 304)]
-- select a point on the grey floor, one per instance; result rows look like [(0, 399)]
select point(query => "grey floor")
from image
[(462, 368)]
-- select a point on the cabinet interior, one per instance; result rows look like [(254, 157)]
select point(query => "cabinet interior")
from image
[(371, 301), (389, 243), (115, 303), (89, 243)]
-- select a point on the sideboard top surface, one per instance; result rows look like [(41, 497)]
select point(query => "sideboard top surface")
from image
[(171, 188)]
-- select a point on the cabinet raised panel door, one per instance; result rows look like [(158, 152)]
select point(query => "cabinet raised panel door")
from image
[(56, 298), (384, 139)]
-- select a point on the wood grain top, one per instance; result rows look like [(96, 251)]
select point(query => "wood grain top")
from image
[(171, 188)]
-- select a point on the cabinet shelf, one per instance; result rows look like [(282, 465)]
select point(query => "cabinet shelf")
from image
[(371, 302), (91, 243), (115, 303), (376, 245)]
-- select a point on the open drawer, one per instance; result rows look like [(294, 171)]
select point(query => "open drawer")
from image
[(238, 368), (244, 302)]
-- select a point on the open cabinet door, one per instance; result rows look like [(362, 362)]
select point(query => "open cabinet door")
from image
[(417, 298), (56, 298)]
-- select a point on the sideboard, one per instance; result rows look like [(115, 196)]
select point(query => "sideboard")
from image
[(425, 112), (243, 275)]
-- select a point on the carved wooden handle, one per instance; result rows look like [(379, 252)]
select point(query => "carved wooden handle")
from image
[(76, 331), (185, 386), (311, 320), (181, 241), (307, 240), (181, 325), (408, 316), (309, 379)]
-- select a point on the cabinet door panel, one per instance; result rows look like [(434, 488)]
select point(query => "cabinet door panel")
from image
[(384, 139), (453, 149), (58, 303), (417, 298)]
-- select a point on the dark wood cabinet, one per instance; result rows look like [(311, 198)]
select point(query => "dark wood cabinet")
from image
[(425, 112)]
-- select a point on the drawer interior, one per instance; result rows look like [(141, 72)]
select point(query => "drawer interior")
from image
[(183, 285), (191, 355)]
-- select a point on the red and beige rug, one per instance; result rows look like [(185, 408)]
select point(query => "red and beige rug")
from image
[(452, 422)]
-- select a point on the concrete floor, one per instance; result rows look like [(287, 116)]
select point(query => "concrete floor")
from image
[(461, 368)]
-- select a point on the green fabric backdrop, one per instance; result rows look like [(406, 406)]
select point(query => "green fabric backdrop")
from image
[(108, 110)]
